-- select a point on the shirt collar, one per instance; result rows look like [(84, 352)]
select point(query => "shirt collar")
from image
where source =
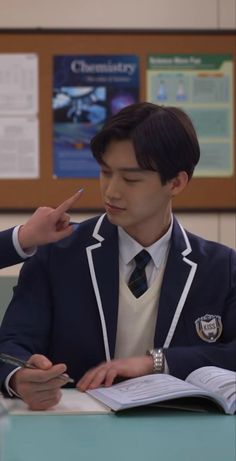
[(128, 247)]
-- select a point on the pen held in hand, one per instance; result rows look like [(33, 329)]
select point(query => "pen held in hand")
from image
[(24, 364)]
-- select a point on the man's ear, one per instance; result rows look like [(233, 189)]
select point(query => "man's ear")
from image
[(178, 183)]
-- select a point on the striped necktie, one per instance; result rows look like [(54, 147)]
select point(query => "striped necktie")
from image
[(138, 280)]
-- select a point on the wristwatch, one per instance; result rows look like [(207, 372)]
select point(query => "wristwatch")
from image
[(158, 360)]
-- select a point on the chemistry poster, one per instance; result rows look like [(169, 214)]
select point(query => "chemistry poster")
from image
[(87, 90), (202, 85)]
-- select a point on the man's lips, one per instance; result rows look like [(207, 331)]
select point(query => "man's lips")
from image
[(111, 207)]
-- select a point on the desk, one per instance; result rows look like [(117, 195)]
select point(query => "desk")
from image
[(148, 435)]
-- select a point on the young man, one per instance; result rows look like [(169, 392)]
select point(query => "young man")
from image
[(44, 226), (79, 306)]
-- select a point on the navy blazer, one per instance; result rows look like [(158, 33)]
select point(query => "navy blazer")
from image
[(8, 254), (66, 302)]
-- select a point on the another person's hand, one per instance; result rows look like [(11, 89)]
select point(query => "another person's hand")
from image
[(47, 224), (39, 387), (107, 372)]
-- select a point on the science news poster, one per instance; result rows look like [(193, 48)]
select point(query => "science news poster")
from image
[(86, 91)]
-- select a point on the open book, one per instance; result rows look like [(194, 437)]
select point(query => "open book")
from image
[(216, 384)]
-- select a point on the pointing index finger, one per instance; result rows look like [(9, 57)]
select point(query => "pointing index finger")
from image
[(64, 206)]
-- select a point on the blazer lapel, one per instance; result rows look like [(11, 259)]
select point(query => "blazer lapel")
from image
[(103, 260), (177, 281)]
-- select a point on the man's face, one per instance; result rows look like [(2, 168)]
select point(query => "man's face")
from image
[(133, 198)]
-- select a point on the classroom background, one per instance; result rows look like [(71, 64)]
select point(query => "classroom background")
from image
[(128, 14)]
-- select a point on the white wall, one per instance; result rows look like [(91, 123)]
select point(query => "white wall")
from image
[(164, 14), (156, 14), (187, 14), (108, 13)]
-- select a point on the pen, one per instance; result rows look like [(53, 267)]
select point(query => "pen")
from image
[(24, 364)]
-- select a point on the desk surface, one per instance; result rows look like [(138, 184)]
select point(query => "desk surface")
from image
[(148, 435)]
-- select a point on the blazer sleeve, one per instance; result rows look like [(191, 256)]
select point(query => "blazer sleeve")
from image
[(25, 328), (182, 359), (8, 253)]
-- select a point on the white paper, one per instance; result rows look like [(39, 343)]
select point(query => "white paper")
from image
[(145, 390), (72, 402), (160, 387), (19, 147), (218, 380), (19, 123), (18, 84)]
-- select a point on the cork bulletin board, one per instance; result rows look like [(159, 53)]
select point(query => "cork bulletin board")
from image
[(208, 192)]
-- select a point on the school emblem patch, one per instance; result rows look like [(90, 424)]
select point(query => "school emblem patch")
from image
[(209, 327)]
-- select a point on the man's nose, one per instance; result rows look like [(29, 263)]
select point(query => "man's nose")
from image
[(113, 189)]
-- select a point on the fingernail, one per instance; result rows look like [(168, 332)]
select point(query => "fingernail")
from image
[(81, 190)]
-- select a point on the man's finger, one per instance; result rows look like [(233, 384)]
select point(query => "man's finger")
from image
[(63, 233), (63, 207), (40, 361)]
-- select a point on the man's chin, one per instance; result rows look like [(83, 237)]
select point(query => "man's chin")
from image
[(115, 219)]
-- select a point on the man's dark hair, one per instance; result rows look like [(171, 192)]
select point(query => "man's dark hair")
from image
[(163, 138)]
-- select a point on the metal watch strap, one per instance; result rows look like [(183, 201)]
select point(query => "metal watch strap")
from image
[(158, 360)]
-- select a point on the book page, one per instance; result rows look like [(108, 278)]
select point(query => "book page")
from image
[(72, 402), (145, 390), (218, 381)]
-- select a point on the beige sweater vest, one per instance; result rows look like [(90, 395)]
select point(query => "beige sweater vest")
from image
[(137, 319)]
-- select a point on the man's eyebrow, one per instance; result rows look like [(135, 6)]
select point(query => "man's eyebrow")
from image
[(126, 169), (131, 169)]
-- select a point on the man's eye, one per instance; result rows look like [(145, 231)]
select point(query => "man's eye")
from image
[(131, 180), (106, 172)]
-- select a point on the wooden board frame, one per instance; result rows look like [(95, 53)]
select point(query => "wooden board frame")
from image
[(202, 194)]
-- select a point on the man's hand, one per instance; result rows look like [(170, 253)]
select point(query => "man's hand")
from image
[(47, 224), (106, 373), (39, 387)]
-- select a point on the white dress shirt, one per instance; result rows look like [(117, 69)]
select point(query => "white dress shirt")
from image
[(15, 240), (129, 248)]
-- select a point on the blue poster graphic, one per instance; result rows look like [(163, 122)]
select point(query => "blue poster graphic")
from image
[(86, 91)]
